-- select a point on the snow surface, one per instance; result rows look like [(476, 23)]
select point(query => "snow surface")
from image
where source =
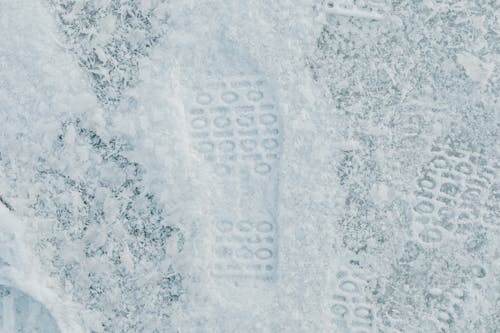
[(249, 166)]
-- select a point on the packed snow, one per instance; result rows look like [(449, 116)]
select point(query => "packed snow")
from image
[(249, 166)]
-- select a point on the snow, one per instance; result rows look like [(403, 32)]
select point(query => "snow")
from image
[(249, 166)]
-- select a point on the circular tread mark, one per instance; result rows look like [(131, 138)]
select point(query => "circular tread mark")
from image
[(204, 99), (262, 168), (263, 253), (229, 97), (222, 122), (248, 145), (205, 147), (227, 146), (268, 119), (199, 123), (270, 144), (264, 226)]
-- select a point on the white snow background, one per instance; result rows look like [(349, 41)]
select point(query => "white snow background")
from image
[(387, 189)]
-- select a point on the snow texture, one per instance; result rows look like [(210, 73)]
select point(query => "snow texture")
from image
[(250, 166)]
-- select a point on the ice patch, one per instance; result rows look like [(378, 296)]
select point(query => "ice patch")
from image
[(477, 70), (21, 313)]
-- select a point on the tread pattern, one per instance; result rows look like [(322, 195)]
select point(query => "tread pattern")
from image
[(459, 189), (245, 249), (234, 124), (365, 9), (235, 127), (350, 309)]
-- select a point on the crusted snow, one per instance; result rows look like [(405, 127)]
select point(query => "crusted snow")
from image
[(249, 166)]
